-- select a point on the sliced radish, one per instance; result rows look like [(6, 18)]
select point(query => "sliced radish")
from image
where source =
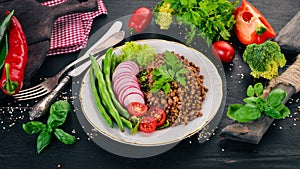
[(126, 81), (130, 90), (121, 75), (133, 98), (127, 66), (122, 88)]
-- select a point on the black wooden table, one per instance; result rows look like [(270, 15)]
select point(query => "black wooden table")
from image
[(279, 148)]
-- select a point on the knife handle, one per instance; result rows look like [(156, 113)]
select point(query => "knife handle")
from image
[(43, 105)]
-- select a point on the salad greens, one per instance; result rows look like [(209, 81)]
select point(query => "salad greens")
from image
[(272, 106), (141, 54), (212, 20), (169, 72), (58, 114)]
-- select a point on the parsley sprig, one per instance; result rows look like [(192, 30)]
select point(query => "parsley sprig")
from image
[(212, 20), (171, 71)]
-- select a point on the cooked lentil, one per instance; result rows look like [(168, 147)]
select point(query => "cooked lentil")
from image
[(183, 103)]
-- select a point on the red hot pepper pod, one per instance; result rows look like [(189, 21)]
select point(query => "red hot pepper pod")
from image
[(15, 62), (251, 26)]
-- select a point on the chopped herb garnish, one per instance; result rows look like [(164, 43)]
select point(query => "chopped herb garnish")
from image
[(171, 71)]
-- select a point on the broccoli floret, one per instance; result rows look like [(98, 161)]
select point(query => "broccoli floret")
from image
[(264, 59)]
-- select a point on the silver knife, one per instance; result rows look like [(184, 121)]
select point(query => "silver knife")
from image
[(42, 106)]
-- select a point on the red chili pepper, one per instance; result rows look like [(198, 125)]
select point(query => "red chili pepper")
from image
[(251, 26), (15, 62), (140, 19)]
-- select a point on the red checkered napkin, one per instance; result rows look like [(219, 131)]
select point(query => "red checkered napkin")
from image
[(71, 32)]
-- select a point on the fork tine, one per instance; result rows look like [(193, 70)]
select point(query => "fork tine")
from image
[(33, 95), (29, 92), (29, 89)]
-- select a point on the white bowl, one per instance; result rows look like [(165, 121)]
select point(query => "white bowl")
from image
[(170, 135)]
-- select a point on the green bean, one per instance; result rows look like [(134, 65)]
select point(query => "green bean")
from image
[(127, 123), (107, 75), (135, 128), (113, 64), (97, 100), (104, 94)]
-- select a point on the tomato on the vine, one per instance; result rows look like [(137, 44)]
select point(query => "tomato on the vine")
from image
[(137, 109), (140, 19), (147, 124), (159, 114), (223, 50)]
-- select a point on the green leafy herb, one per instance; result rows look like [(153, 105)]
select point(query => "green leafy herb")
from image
[(43, 140), (34, 127), (64, 137), (256, 105), (171, 71), (58, 114), (141, 54), (212, 20)]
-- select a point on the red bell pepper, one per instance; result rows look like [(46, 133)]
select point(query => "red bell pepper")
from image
[(140, 19), (15, 62), (251, 26)]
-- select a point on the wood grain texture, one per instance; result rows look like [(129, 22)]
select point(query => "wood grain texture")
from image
[(279, 148)]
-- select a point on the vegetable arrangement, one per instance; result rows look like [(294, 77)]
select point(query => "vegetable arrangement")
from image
[(119, 88), (58, 113), (15, 52), (256, 105)]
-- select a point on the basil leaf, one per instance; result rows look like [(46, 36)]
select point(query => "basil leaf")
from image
[(247, 113), (276, 97), (278, 112), (250, 91), (232, 109), (34, 127), (58, 113), (242, 113), (261, 103), (251, 100), (43, 140), (258, 89), (272, 112), (64, 137)]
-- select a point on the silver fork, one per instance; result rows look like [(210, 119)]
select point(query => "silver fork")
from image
[(44, 87), (50, 83)]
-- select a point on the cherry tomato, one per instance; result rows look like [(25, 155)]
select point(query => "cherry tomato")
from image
[(137, 109), (159, 114), (140, 19), (223, 50), (148, 124)]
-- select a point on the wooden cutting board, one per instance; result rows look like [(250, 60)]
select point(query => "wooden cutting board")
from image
[(37, 21)]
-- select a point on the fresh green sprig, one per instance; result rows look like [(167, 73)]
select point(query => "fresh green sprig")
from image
[(171, 71), (212, 20), (255, 105), (58, 114)]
